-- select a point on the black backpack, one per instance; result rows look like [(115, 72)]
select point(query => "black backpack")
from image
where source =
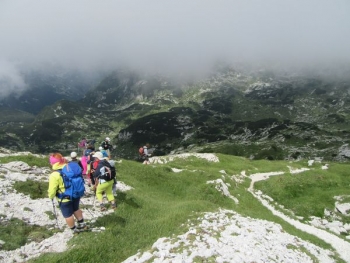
[(108, 172), (90, 158)]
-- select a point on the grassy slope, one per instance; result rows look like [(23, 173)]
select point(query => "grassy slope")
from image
[(163, 200), (13, 115)]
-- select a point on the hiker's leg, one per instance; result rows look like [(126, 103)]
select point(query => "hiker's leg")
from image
[(109, 191), (70, 210), (83, 162), (144, 160), (70, 221), (99, 193), (88, 173), (78, 214), (67, 212)]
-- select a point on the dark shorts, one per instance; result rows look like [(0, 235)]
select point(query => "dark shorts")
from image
[(68, 208)]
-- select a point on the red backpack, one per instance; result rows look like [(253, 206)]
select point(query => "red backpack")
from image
[(141, 151)]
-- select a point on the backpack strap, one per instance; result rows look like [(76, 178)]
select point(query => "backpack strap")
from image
[(58, 190)]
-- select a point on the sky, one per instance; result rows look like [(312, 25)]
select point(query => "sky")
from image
[(169, 36)]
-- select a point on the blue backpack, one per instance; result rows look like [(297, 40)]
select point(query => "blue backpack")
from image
[(73, 181)]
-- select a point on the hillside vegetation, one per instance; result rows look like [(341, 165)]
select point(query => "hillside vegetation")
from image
[(166, 195), (257, 115)]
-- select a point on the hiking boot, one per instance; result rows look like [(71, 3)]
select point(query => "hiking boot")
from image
[(81, 226), (103, 208), (76, 231), (114, 206)]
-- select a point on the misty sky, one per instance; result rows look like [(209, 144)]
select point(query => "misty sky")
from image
[(170, 35)]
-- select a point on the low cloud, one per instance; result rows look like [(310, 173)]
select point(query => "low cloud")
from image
[(173, 36), (11, 81)]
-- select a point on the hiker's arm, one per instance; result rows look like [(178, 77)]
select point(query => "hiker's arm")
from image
[(81, 166), (54, 185), (96, 183), (96, 173)]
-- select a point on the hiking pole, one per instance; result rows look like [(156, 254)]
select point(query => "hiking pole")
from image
[(88, 210), (54, 211), (93, 202)]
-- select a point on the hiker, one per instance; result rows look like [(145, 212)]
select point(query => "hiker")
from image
[(82, 144), (89, 152), (114, 187), (73, 156), (144, 154), (69, 208), (91, 144), (83, 161), (103, 151), (107, 146), (103, 185), (93, 165)]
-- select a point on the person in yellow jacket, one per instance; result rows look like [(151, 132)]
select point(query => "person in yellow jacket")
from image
[(101, 185), (69, 208)]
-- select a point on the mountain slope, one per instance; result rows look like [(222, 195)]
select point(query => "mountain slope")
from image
[(256, 115), (46, 86)]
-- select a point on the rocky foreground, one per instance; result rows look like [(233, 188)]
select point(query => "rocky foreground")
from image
[(223, 236)]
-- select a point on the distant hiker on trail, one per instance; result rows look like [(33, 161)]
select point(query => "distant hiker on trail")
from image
[(89, 152), (73, 156), (91, 143), (104, 152), (82, 145), (83, 161), (144, 154), (104, 181), (107, 146), (69, 206), (94, 164), (114, 188)]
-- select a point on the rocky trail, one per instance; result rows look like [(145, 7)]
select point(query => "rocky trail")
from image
[(224, 235)]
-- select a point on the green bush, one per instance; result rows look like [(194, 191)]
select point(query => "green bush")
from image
[(34, 189)]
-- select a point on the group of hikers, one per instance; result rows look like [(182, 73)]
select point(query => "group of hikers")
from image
[(95, 168)]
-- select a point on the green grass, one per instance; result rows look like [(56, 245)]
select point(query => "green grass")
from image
[(310, 192), (29, 159), (34, 189), (162, 201), (15, 233)]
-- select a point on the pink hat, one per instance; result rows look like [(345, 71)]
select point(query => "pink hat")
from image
[(54, 160)]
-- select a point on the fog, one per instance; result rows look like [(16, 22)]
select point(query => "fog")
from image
[(170, 36)]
